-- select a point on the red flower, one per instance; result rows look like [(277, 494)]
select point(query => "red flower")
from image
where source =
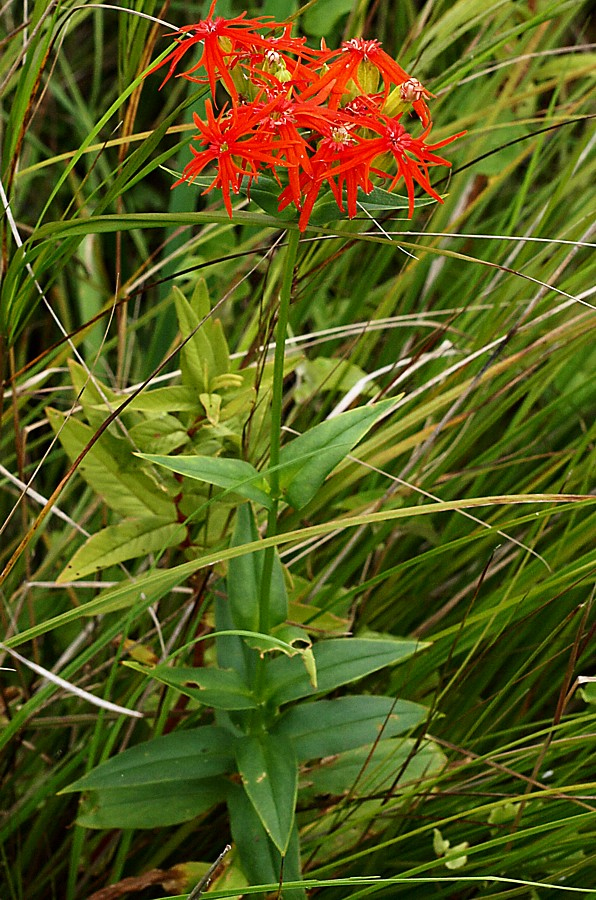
[(286, 119), (350, 63), (224, 41), (331, 150), (412, 156), (287, 115), (234, 145), (353, 177)]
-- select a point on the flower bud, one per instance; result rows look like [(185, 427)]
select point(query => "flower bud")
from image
[(241, 82), (367, 77), (275, 65), (402, 98)]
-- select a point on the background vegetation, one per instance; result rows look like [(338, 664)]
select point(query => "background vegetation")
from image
[(480, 314)]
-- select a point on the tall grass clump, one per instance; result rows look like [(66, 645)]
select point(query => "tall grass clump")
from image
[(296, 466)]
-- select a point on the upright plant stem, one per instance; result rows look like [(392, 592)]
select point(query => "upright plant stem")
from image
[(276, 411)]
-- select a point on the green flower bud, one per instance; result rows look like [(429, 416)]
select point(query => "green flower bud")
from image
[(368, 77)]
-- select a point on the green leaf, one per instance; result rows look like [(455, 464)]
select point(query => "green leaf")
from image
[(96, 398), (307, 460), (327, 727), (197, 359), (269, 773), (280, 10), (234, 475), (440, 845), (453, 860), (198, 753), (171, 399), (362, 773), (295, 641), (219, 688), (212, 405), (261, 861), (588, 691), (293, 635), (126, 540), (265, 192), (330, 374), (157, 806), (230, 649), (379, 200), (160, 433), (154, 585), (316, 620), (245, 575), (453, 855), (338, 662), (110, 469)]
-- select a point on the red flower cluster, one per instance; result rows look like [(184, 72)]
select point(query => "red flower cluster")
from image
[(322, 117)]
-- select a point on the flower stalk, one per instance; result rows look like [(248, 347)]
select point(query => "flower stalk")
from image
[(281, 329)]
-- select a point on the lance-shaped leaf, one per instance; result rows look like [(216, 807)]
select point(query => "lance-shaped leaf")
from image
[(265, 192), (269, 773), (233, 475), (338, 662), (178, 757), (170, 399), (261, 861), (219, 688), (111, 470), (126, 540), (306, 461), (363, 773), (379, 199), (155, 806), (327, 727), (196, 357)]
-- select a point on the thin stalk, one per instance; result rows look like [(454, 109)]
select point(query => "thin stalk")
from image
[(276, 413), (278, 365)]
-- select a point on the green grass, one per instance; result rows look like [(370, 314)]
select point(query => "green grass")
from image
[(480, 320)]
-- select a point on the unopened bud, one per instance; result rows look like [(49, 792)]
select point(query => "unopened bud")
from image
[(275, 65), (395, 104), (236, 74), (367, 77), (401, 98), (413, 90)]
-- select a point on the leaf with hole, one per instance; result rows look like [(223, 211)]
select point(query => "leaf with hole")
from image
[(338, 661), (219, 688)]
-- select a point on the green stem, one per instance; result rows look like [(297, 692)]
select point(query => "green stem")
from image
[(281, 328), (276, 411)]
